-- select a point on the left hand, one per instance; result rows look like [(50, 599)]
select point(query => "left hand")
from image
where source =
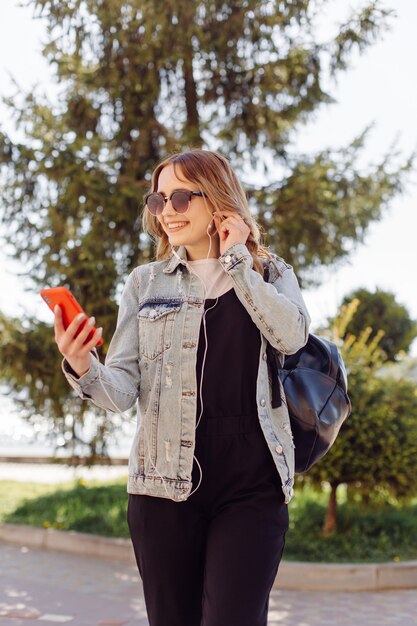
[(231, 230)]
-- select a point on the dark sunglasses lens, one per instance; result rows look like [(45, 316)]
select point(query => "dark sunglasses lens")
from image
[(155, 203), (180, 201)]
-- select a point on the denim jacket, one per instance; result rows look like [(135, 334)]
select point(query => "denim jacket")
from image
[(152, 356)]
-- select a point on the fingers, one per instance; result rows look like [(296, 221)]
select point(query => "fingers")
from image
[(227, 221), (232, 221), (77, 336), (60, 329), (232, 228), (93, 341), (221, 227), (72, 341), (58, 323)]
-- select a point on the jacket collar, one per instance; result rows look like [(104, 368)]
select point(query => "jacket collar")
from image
[(182, 253), (174, 261)]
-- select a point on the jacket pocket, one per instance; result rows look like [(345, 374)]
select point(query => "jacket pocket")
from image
[(156, 325)]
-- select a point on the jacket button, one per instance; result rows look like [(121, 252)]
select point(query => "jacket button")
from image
[(279, 449), (263, 402), (152, 313), (264, 357), (228, 258)]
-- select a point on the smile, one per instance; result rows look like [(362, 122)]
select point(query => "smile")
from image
[(177, 226)]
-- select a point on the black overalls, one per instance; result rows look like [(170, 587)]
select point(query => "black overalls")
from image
[(212, 559)]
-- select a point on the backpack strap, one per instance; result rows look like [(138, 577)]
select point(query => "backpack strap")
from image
[(334, 362), (272, 363)]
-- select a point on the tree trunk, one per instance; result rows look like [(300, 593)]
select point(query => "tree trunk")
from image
[(191, 131), (330, 522)]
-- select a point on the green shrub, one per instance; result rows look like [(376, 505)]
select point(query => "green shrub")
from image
[(99, 510), (384, 533)]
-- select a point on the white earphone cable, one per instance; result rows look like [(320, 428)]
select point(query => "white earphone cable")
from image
[(144, 430), (205, 351)]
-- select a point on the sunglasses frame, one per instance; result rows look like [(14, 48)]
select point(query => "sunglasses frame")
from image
[(166, 198)]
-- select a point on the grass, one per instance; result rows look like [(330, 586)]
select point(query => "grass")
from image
[(387, 533), (91, 507), (374, 535)]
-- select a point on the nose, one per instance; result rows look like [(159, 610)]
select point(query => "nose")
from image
[(168, 208)]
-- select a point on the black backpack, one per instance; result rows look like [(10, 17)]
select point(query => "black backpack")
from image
[(315, 384)]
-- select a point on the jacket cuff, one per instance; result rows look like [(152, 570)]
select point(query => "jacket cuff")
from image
[(234, 254), (80, 382)]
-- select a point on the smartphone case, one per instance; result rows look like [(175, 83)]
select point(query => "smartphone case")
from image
[(70, 307)]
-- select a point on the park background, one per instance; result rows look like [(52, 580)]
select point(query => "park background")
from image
[(377, 88)]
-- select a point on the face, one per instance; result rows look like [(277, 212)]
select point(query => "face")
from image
[(198, 219)]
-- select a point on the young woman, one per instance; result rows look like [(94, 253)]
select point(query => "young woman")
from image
[(211, 469)]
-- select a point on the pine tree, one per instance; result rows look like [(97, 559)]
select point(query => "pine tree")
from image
[(139, 79)]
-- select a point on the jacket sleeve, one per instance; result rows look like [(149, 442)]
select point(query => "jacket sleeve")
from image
[(278, 308), (115, 385)]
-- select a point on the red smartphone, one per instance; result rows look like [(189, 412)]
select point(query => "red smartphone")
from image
[(70, 308)]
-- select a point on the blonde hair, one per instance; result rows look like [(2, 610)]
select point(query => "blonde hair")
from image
[(213, 175)]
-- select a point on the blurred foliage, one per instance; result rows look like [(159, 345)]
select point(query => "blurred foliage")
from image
[(30, 366), (380, 311), (137, 80), (375, 453)]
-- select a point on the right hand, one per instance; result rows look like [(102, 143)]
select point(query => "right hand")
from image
[(73, 348)]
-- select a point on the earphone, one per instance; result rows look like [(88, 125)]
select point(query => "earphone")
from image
[(120, 412), (205, 349)]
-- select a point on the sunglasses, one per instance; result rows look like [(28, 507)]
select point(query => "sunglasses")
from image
[(180, 200)]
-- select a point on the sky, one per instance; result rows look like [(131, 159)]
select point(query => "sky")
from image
[(378, 87)]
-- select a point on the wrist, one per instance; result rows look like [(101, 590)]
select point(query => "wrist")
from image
[(75, 368)]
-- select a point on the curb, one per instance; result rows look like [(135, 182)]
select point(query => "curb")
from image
[(68, 541), (292, 575)]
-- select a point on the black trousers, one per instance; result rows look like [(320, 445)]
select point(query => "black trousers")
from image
[(212, 560)]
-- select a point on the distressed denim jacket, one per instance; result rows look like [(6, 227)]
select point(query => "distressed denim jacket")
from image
[(152, 358)]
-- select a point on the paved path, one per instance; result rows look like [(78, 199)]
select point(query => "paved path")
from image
[(40, 587), (53, 473)]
